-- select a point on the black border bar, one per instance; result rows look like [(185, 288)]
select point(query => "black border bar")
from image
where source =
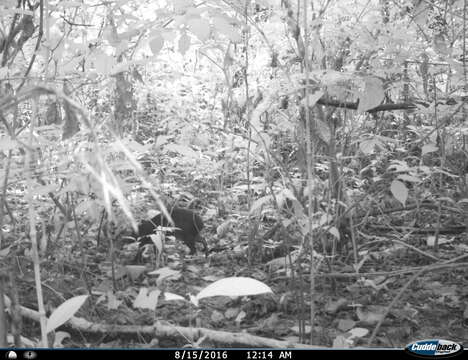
[(206, 354)]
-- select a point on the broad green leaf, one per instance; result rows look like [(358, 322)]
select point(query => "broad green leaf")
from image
[(5, 252), (158, 241), (358, 333), (165, 273), (184, 43), (400, 191), (224, 27), (285, 194), (103, 63), (6, 143), (313, 98), (200, 28), (430, 241), (372, 95), (367, 146), (234, 286), (112, 302), (65, 312), (146, 300), (335, 232), (420, 13), (429, 148), (345, 324), (171, 297), (182, 5), (156, 44), (340, 342)]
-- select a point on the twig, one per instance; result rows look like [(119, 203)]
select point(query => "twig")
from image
[(439, 266), (394, 301)]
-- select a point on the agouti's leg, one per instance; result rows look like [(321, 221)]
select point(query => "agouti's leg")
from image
[(201, 239)]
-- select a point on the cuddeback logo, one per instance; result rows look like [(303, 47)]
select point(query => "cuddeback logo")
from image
[(434, 348)]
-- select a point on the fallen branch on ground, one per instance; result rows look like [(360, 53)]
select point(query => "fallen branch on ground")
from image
[(161, 329)]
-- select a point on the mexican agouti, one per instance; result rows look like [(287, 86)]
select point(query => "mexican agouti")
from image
[(187, 227)]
